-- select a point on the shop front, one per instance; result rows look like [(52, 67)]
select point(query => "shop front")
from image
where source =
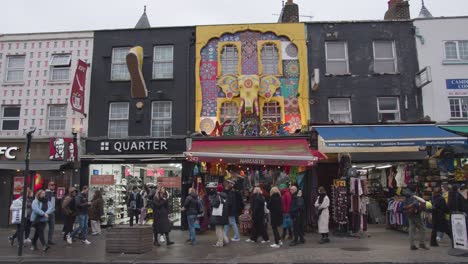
[(50, 160), (115, 166), (374, 164)]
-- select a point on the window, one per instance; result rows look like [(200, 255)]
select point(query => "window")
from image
[(384, 57), (118, 120), (459, 107), (60, 67), (10, 117), (57, 117), (337, 58), (161, 119), (228, 111), (272, 111), (163, 62), (456, 50), (15, 69), (339, 110), (229, 60), (269, 56), (119, 70), (388, 109)]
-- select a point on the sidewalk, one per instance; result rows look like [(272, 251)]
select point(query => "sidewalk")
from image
[(384, 246)]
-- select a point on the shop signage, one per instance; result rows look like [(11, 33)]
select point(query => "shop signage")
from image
[(143, 146), (77, 96), (457, 87), (102, 180), (60, 193), (170, 182), (18, 183), (460, 239), (62, 149), (415, 143), (8, 152)]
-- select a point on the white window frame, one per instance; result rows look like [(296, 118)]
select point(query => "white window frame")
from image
[(56, 118), (457, 47), (346, 59), (460, 107), (394, 58), (398, 111), (164, 120), (330, 112), (60, 66), (3, 118), (163, 62), (16, 69), (118, 119), (269, 55), (229, 60), (120, 64), (278, 112), (226, 107)]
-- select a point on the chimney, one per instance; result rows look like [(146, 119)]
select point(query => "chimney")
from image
[(289, 13), (397, 9)]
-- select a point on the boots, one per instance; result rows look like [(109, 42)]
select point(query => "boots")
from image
[(168, 241)]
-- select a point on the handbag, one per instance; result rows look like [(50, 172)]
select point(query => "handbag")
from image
[(16, 217), (219, 210)]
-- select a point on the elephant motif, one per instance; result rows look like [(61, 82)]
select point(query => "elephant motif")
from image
[(249, 88)]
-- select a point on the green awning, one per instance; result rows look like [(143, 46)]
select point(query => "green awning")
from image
[(456, 129)]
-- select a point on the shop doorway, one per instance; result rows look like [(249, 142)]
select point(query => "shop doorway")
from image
[(6, 184)]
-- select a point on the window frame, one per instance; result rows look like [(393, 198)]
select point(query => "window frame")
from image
[(346, 59), (398, 111), (457, 49), (60, 66), (278, 111), (395, 57), (155, 62), (55, 118), (113, 64), (330, 112), (238, 65), (460, 105), (3, 118), (110, 119), (163, 119), (279, 60), (8, 68)]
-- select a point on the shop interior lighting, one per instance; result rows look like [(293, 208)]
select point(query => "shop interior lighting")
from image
[(368, 167), (384, 167)]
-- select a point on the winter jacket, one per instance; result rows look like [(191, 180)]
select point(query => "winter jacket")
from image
[(235, 202), (258, 209), (439, 209), (297, 206), (456, 202), (96, 210), (38, 212), (286, 200), (81, 203), (324, 214), (221, 198), (276, 210), (191, 205), (68, 206), (161, 223), (134, 201)]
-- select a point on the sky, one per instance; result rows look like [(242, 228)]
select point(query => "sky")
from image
[(28, 16)]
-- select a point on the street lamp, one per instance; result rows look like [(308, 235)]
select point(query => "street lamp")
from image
[(75, 161)]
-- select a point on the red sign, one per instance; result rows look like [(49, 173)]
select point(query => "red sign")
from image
[(170, 182), (77, 97), (18, 183), (62, 149), (102, 180)]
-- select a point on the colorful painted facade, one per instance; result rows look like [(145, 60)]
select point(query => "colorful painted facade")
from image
[(251, 80)]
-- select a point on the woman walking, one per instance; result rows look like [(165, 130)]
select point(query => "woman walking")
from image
[(96, 211), (276, 214), (69, 211), (41, 209), (322, 204), (258, 216), (219, 216), (161, 223)]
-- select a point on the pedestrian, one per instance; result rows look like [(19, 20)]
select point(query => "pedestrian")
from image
[(439, 223), (50, 194), (144, 193), (192, 209), (287, 221), (69, 211), (96, 212), (82, 208), (258, 217), (322, 204), (161, 222), (236, 204), (297, 215), (412, 210), (275, 206), (41, 208), (134, 202), (220, 216), (27, 227), (16, 217)]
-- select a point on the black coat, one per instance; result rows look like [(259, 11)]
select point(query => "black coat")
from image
[(191, 205), (221, 198), (161, 223), (276, 210), (439, 209), (235, 202), (258, 209), (297, 206)]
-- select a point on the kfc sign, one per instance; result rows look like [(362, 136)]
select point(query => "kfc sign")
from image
[(62, 149), (8, 152)]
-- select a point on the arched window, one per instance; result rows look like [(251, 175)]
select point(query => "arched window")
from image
[(272, 111), (229, 60), (229, 111), (269, 57)]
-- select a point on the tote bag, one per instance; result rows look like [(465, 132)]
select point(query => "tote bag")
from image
[(16, 217), (218, 211)]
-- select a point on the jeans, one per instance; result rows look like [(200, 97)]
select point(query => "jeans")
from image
[(233, 223), (39, 234), (82, 226), (416, 225), (51, 224), (133, 214), (191, 224)]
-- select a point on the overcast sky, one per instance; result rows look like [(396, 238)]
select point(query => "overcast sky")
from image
[(19, 16)]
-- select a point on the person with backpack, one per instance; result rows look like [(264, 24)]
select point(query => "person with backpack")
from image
[(134, 204), (219, 216), (192, 209), (412, 210), (69, 211)]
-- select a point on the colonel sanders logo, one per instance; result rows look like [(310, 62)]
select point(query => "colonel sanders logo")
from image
[(62, 149)]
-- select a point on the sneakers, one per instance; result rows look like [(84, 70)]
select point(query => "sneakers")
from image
[(27, 240), (86, 241), (265, 241), (281, 243), (235, 239), (69, 240), (45, 249), (275, 246), (250, 241)]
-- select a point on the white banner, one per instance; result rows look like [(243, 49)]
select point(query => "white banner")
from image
[(460, 236)]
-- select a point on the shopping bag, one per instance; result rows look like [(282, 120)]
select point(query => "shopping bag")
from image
[(16, 217)]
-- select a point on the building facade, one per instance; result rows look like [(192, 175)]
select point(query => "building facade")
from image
[(37, 72)]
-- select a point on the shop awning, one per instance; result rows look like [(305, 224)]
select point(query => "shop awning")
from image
[(388, 136), (384, 156), (293, 152), (456, 129), (34, 165)]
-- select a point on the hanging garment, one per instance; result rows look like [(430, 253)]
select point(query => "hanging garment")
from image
[(391, 178), (400, 176), (383, 178)]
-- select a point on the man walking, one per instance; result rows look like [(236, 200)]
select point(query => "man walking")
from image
[(50, 195), (412, 209), (82, 204), (234, 200), (192, 209), (296, 212)]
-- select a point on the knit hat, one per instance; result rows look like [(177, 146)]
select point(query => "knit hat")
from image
[(220, 188)]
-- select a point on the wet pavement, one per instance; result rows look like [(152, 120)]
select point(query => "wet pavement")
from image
[(383, 246)]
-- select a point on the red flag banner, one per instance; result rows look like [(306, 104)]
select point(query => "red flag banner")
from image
[(77, 97)]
